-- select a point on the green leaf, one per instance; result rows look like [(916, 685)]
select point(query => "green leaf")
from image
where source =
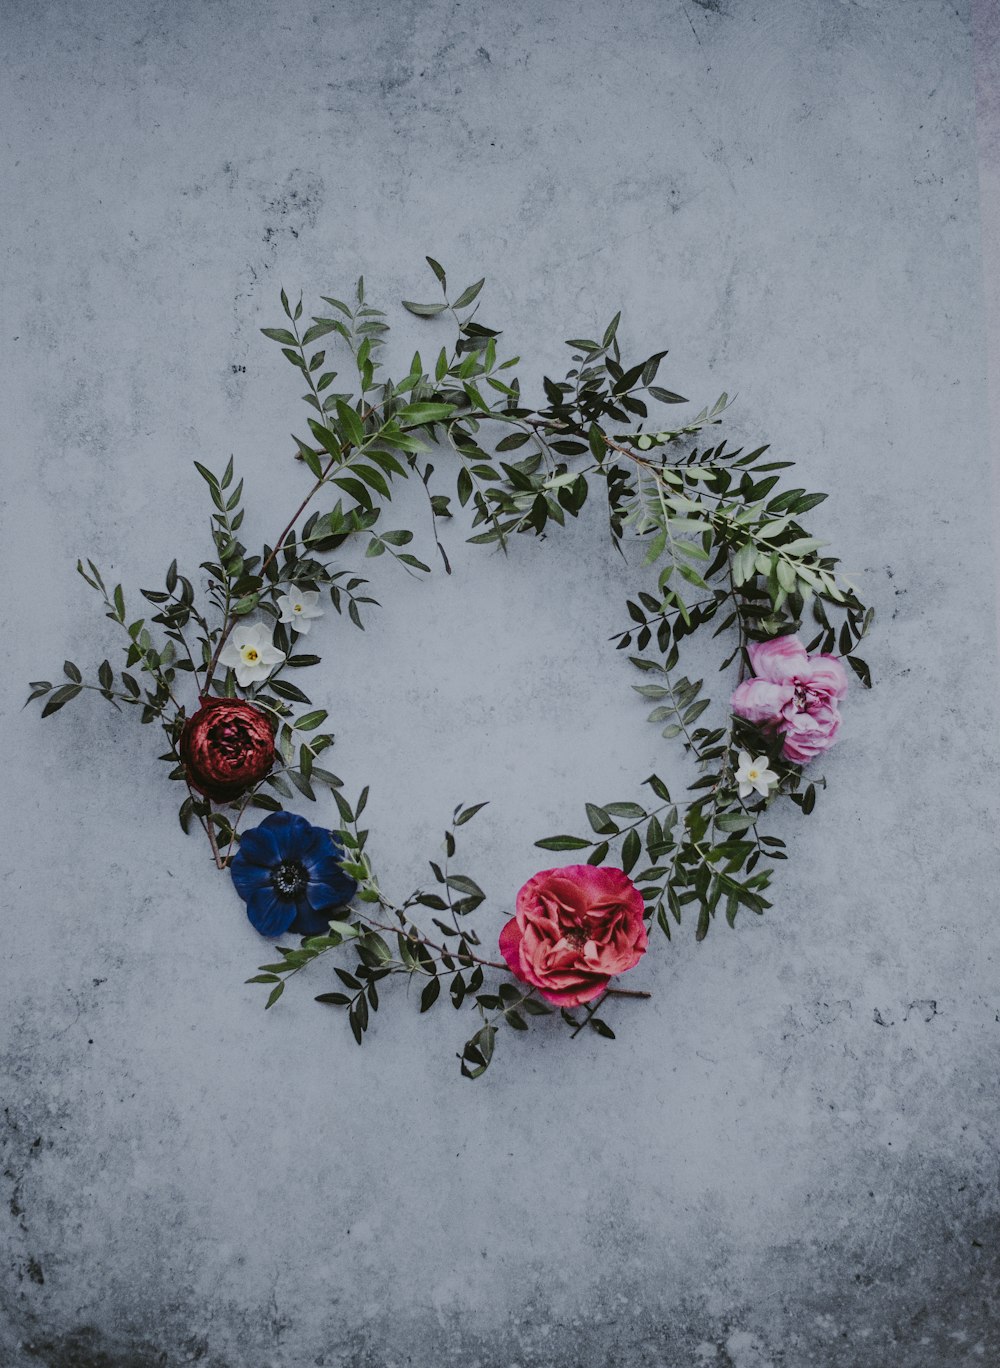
[(468, 813), (430, 994), (631, 850), (464, 884), (319, 329), (61, 696), (563, 843), (423, 310), (438, 270), (469, 294), (351, 424), (625, 809), (345, 930), (281, 335), (600, 820), (417, 415), (310, 721), (276, 993)]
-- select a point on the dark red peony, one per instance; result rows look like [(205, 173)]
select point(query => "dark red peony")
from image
[(226, 747)]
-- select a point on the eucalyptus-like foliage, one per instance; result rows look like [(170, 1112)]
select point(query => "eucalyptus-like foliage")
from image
[(725, 548)]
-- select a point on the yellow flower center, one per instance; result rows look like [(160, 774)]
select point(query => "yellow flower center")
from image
[(250, 655), (297, 607), (753, 774)]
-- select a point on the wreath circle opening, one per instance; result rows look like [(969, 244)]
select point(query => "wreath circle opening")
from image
[(216, 665)]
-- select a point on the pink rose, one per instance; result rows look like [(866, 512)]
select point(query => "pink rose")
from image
[(793, 694), (573, 929)]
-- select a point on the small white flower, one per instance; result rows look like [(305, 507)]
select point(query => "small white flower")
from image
[(251, 654), (753, 774), (298, 606)]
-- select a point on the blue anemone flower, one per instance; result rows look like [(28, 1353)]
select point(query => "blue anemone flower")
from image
[(288, 873)]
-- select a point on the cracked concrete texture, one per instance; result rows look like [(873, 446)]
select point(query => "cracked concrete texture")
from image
[(789, 1155)]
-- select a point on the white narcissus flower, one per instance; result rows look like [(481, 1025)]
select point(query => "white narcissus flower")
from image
[(753, 774), (251, 653), (298, 606)]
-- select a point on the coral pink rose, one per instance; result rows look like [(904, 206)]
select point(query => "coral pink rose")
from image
[(794, 694), (573, 929)]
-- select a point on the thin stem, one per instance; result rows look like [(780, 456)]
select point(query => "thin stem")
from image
[(407, 934)]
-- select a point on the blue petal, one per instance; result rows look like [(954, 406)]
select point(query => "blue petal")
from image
[(260, 847), (324, 846), (329, 886), (282, 836), (309, 922), (248, 877), (268, 914), (296, 835)]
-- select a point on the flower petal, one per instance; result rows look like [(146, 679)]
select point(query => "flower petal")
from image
[(575, 996), (230, 653), (309, 921), (330, 888), (759, 700), (260, 847), (248, 876), (779, 659), (510, 947), (824, 674), (281, 836), (268, 914)]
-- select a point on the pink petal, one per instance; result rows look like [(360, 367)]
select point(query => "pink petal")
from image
[(510, 946), (575, 996), (810, 735), (824, 674), (758, 700), (779, 659)]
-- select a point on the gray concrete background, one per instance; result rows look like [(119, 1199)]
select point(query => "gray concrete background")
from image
[(789, 1156)]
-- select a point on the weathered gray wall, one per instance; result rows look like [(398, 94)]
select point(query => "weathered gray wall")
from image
[(789, 1156)]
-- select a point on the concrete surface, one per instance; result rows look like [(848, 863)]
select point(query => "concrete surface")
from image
[(789, 1157)]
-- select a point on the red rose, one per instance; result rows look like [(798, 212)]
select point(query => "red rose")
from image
[(226, 747), (574, 928)]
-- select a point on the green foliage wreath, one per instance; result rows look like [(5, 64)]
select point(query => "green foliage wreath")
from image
[(726, 548)]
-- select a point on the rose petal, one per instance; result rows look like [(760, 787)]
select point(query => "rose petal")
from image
[(777, 660), (510, 946), (760, 700), (824, 674)]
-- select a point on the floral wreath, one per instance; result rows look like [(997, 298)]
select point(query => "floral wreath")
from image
[(725, 547)]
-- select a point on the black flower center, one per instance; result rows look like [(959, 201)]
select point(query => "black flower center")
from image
[(289, 880)]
